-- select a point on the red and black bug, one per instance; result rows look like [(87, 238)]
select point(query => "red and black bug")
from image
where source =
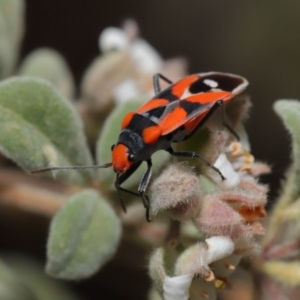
[(171, 116)]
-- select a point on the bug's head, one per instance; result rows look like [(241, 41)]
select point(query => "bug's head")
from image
[(122, 158)]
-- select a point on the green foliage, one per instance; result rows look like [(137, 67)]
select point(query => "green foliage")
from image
[(84, 235), (11, 287), (289, 112), (282, 237), (29, 281), (11, 34), (49, 64), (39, 128)]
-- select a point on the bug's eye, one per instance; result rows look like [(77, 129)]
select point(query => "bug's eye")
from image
[(113, 147), (131, 157)]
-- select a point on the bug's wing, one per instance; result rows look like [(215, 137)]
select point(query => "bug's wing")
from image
[(190, 108), (153, 104), (217, 81), (187, 101), (198, 97)]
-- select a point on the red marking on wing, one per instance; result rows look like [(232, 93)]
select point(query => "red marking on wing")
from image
[(127, 120), (154, 103), (179, 87), (172, 119), (192, 124), (210, 97), (151, 134), (179, 116)]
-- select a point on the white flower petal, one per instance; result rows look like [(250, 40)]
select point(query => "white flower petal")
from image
[(177, 288), (232, 178), (218, 248), (112, 38)]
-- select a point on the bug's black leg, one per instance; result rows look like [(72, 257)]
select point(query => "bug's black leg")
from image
[(226, 124), (119, 189), (206, 118), (143, 186), (121, 178), (156, 84), (191, 154)]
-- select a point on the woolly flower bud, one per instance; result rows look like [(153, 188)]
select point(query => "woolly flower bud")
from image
[(193, 261), (183, 281), (217, 217), (235, 213), (146, 58), (176, 190), (143, 60), (126, 90)]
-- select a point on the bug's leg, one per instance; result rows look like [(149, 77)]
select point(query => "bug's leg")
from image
[(119, 189), (143, 186), (206, 118), (191, 154), (224, 121), (156, 84), (121, 178)]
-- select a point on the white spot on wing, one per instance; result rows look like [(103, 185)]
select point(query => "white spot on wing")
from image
[(211, 83), (238, 89)]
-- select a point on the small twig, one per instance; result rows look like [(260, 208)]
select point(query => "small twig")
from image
[(36, 195), (173, 233)]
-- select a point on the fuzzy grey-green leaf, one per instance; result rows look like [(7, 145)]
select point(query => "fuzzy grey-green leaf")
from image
[(30, 274), (11, 33), (50, 65), (109, 136), (289, 112), (12, 287), (40, 128), (84, 235)]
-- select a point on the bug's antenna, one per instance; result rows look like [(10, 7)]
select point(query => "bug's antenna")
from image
[(71, 168)]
